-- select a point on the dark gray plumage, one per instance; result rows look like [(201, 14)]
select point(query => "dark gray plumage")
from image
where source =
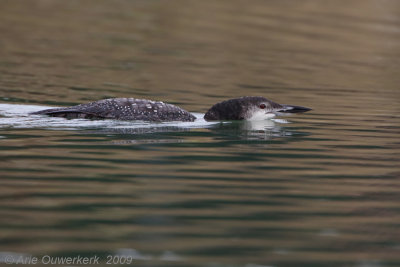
[(122, 109), (249, 107)]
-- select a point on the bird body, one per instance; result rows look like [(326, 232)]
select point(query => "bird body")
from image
[(243, 108)]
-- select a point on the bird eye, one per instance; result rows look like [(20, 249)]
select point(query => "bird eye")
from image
[(263, 106)]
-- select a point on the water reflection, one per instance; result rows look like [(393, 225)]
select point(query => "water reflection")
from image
[(254, 130), (322, 190)]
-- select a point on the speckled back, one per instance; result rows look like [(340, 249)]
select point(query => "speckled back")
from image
[(123, 109)]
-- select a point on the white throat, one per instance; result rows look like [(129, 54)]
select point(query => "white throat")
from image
[(260, 115)]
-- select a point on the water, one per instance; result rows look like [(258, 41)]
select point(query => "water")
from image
[(316, 189)]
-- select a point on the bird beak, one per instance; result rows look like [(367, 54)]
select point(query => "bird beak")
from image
[(293, 109)]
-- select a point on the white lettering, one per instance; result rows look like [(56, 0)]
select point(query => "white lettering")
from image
[(46, 259)]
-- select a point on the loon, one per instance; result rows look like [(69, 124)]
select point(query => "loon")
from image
[(243, 108)]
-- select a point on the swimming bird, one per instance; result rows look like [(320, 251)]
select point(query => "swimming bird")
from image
[(243, 108)]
